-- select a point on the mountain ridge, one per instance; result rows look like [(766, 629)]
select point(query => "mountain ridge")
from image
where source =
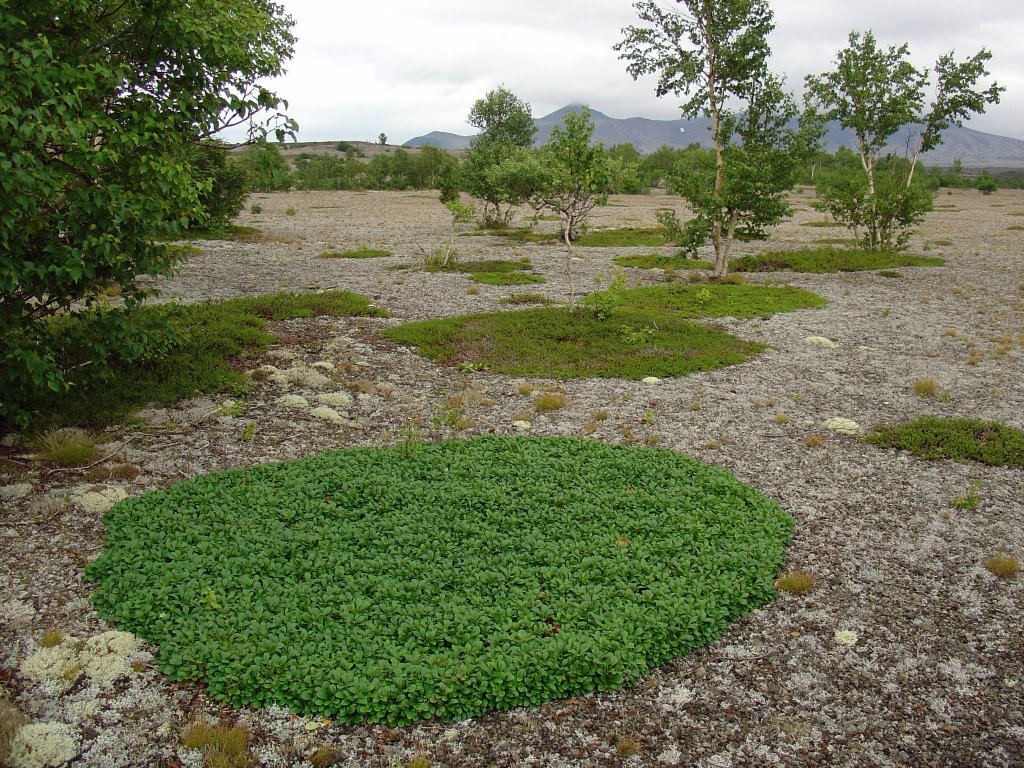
[(974, 149)]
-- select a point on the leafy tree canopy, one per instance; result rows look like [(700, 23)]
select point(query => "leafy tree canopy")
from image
[(101, 105)]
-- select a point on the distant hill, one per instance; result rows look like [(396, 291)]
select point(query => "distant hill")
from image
[(973, 148)]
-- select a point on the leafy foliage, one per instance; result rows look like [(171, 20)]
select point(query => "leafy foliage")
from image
[(203, 340), (394, 585), (876, 93), (716, 54), (930, 437), (602, 342), (100, 107)]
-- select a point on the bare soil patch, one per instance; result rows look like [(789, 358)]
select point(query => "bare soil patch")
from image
[(907, 652)]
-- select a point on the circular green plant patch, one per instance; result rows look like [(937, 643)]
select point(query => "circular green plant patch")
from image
[(438, 580)]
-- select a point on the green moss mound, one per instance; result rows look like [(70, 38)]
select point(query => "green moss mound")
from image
[(438, 580), (988, 442), (646, 332), (814, 260)]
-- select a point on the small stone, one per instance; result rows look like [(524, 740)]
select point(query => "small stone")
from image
[(651, 380), (842, 426), (820, 341)]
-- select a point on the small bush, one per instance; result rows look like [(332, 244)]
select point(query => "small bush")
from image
[(69, 447), (1003, 565), (962, 439), (290, 211), (256, 209)]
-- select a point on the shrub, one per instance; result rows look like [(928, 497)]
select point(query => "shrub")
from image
[(962, 439), (390, 586)]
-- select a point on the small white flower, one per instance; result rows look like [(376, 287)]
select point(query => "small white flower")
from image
[(845, 637)]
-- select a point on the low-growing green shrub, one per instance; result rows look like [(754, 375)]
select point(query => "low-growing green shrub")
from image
[(492, 271), (526, 298), (208, 337), (962, 439), (829, 260), (591, 342), (388, 585), (506, 278), (358, 253), (657, 261)]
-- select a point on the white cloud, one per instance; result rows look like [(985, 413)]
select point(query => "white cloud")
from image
[(405, 67)]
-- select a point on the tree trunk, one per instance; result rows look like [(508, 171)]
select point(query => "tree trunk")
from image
[(568, 263)]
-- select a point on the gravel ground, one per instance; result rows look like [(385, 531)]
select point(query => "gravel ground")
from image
[(928, 668)]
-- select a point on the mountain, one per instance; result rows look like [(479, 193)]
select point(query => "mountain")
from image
[(973, 148)]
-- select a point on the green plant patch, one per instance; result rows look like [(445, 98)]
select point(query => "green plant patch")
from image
[(438, 580), (889, 273), (359, 253), (657, 261), (626, 237), (724, 300), (643, 332), (526, 298), (209, 337), (822, 223), (930, 437), (506, 278), (235, 232), (821, 260)]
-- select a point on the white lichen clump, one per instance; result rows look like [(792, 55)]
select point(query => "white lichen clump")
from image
[(98, 502), (16, 491), (521, 424), (651, 380), (335, 399), (842, 426), (293, 401), (325, 413), (44, 745), (845, 637), (103, 658), (820, 341), (299, 375)]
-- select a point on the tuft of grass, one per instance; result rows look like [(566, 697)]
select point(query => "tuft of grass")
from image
[(472, 290), (781, 418), (560, 343), (419, 761), (657, 261), (829, 260), (1003, 565), (890, 273), (52, 638), (601, 415), (969, 500), (358, 253), (12, 720), (627, 747), (222, 746), (796, 582), (526, 298), (325, 757), (926, 388), (290, 211), (961, 439), (821, 223), (549, 401), (211, 340), (814, 440), (455, 560), (67, 447)]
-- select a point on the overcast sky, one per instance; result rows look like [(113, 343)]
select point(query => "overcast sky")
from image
[(408, 67)]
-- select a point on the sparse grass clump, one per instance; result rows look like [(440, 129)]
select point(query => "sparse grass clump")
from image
[(325, 757), (829, 260), (52, 638), (926, 388), (210, 339), (12, 720), (455, 560), (814, 440), (1003, 565), (358, 253), (796, 582), (67, 447), (222, 746), (560, 343), (492, 271), (549, 401), (962, 439), (627, 237)]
